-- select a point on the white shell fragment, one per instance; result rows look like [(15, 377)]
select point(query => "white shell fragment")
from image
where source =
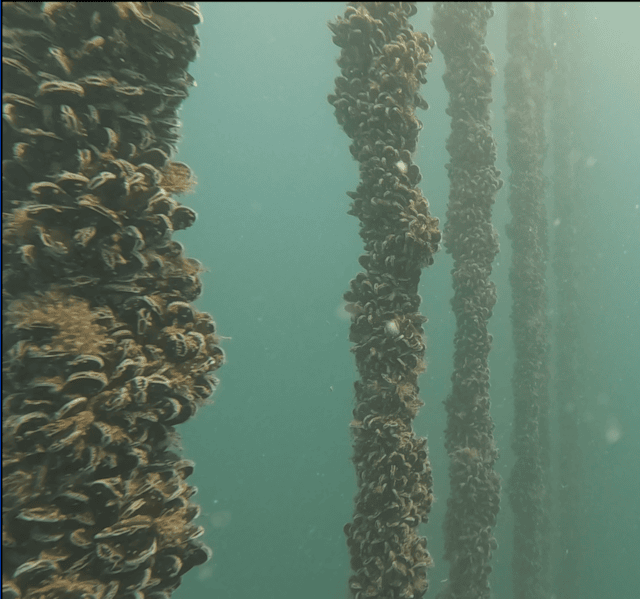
[(391, 328)]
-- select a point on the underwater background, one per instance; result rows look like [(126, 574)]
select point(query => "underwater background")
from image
[(273, 452)]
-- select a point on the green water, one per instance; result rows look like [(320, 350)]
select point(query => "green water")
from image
[(273, 453)]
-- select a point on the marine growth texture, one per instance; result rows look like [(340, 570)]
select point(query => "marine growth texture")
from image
[(382, 64), (102, 352), (470, 238), (572, 471), (528, 495)]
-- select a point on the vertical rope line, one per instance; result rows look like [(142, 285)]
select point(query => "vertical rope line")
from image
[(542, 63), (382, 64), (469, 236), (524, 86), (103, 353), (567, 332)]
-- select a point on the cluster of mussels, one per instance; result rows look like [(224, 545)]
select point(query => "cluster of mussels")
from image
[(383, 62), (527, 231), (566, 193), (103, 353), (469, 236)]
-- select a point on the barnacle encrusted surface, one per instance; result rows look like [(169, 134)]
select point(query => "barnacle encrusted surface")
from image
[(382, 64), (103, 353)]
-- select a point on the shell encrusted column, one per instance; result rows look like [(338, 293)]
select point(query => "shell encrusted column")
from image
[(469, 236), (103, 351), (383, 62)]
